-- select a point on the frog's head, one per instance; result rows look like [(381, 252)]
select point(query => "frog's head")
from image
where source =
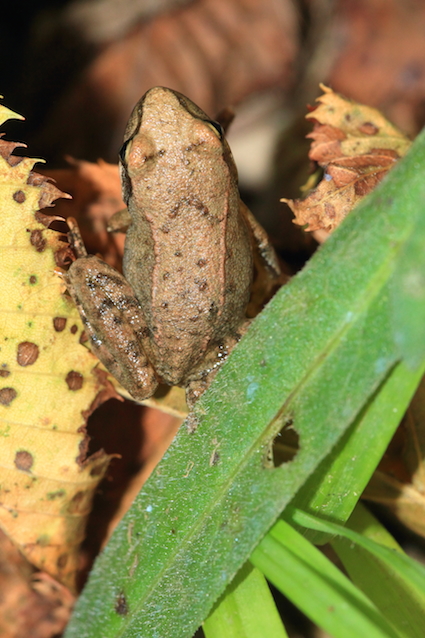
[(162, 125)]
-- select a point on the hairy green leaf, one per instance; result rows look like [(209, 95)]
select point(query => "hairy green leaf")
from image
[(317, 587), (247, 610), (385, 583)]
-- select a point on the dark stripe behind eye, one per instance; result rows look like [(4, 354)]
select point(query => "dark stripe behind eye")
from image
[(123, 151), (217, 127)]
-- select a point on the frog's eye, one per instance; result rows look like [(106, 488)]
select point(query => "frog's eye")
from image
[(123, 151), (216, 127)]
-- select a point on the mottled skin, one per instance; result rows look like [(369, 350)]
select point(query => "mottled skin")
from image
[(187, 266)]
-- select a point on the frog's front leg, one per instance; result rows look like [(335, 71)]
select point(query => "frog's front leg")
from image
[(262, 243), (115, 323)]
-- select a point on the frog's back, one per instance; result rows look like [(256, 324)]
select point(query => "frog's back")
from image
[(188, 250), (199, 286)]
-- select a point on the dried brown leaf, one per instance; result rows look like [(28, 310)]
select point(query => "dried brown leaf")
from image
[(356, 146), (96, 196), (215, 51)]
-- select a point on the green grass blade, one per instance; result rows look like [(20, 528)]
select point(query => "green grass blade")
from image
[(412, 572), (408, 298), (317, 587), (313, 358), (247, 609), (333, 490), (400, 602)]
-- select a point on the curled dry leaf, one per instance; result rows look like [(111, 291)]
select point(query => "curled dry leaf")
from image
[(356, 146), (49, 382)]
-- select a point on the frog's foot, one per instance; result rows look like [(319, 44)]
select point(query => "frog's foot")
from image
[(114, 322), (196, 388), (202, 377), (119, 222)]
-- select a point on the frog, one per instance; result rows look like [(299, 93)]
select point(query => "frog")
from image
[(180, 305)]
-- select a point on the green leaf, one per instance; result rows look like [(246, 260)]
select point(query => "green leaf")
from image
[(394, 582), (412, 572), (334, 488), (312, 359), (402, 603), (317, 587), (247, 609), (408, 298)]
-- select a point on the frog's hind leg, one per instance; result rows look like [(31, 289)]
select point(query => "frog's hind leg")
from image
[(114, 321), (202, 376)]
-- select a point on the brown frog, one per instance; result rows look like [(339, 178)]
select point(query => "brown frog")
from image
[(188, 261)]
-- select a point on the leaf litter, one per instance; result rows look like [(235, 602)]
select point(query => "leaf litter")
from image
[(356, 146)]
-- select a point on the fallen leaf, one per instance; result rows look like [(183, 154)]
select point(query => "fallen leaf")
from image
[(356, 146), (344, 128), (96, 196), (49, 381), (215, 51), (30, 604), (381, 57), (399, 482)]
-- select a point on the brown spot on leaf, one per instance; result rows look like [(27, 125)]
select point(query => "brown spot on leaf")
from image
[(78, 497), (51, 496), (62, 561), (19, 197), (24, 460), (74, 380), (215, 458), (368, 128), (4, 372), (33, 279), (364, 186), (37, 240), (73, 329), (7, 395), (121, 606), (83, 447), (330, 210), (74, 504), (59, 323), (27, 353)]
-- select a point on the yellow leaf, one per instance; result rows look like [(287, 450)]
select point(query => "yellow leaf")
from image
[(49, 382)]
